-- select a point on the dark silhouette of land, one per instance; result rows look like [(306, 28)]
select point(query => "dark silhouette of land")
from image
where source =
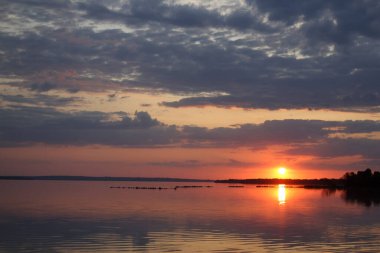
[(362, 187), (307, 183), (85, 178), (361, 179)]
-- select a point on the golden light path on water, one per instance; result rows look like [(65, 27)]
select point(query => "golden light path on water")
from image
[(281, 194)]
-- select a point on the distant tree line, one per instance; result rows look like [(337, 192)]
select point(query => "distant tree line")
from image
[(362, 179), (310, 183)]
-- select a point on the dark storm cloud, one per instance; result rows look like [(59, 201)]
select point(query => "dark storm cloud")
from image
[(258, 53)]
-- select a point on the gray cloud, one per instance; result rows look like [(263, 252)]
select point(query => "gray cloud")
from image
[(47, 86), (363, 126), (309, 100), (335, 147), (137, 12), (41, 99), (260, 135), (330, 61), (332, 21), (32, 125), (44, 3), (42, 87), (28, 126)]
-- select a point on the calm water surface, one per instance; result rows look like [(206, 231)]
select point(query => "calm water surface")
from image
[(62, 216)]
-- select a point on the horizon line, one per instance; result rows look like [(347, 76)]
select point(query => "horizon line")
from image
[(136, 178)]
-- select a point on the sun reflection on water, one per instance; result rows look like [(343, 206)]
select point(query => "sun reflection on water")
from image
[(281, 194)]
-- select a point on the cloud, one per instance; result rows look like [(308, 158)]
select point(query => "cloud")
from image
[(44, 3), (29, 126), (336, 147), (138, 12), (41, 99), (42, 87), (274, 102), (275, 132), (330, 21), (261, 54), (323, 140), (362, 126), (47, 86)]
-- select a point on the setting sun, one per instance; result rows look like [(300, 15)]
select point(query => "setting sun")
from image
[(282, 171)]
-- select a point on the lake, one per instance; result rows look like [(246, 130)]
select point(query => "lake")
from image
[(65, 216)]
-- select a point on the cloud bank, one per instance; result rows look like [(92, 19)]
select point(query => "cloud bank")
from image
[(260, 54), (322, 139)]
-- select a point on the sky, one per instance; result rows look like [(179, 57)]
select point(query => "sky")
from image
[(196, 89)]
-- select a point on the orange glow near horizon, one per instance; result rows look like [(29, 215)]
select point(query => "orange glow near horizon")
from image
[(209, 163)]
